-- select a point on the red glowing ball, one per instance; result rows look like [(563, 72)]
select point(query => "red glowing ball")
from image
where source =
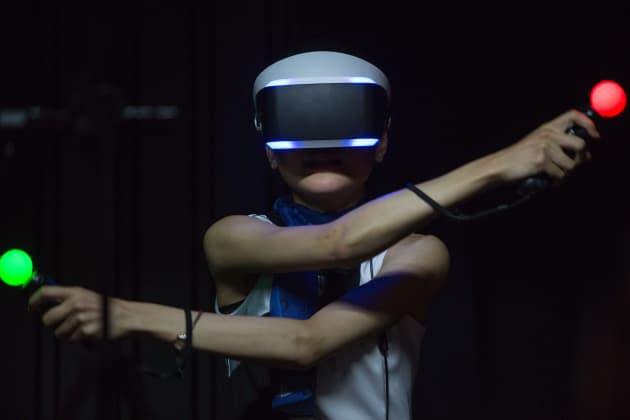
[(608, 98)]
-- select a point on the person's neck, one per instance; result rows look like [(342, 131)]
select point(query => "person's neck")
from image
[(329, 203)]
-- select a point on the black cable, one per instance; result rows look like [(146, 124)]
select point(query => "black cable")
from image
[(456, 216), (383, 347)]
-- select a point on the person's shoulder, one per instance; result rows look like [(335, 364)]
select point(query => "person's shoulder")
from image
[(262, 217), (236, 220), (233, 226), (225, 240)]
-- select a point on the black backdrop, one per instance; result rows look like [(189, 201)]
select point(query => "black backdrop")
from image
[(533, 321)]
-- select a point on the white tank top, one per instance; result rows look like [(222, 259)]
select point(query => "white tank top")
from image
[(351, 382)]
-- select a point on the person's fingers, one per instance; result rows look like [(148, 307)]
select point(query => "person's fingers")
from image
[(46, 294), (573, 117), (581, 157), (58, 313), (569, 142), (70, 324), (560, 158), (564, 150), (554, 170), (549, 149), (88, 330)]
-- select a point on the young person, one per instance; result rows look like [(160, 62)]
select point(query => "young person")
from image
[(325, 234)]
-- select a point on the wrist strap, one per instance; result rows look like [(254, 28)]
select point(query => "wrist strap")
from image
[(188, 329), (457, 216), (182, 350), (183, 347)]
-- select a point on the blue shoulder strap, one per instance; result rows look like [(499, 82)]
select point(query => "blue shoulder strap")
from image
[(299, 295), (293, 295)]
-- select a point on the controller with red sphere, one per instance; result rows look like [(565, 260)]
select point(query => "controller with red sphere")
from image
[(608, 100)]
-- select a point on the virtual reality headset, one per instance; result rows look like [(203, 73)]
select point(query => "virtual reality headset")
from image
[(321, 99)]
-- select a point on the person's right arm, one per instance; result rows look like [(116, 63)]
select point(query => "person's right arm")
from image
[(412, 272), (246, 245)]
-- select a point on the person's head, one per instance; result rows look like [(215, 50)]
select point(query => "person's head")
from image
[(324, 117)]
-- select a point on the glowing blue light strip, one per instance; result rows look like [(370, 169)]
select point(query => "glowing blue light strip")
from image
[(323, 79), (361, 80), (283, 144), (320, 144), (279, 82), (361, 142)]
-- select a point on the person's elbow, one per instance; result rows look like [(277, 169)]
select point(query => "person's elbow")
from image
[(307, 348), (344, 248), (436, 272)]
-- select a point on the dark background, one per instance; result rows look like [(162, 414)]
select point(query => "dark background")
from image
[(533, 322)]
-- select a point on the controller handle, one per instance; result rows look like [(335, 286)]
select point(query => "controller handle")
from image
[(608, 100)]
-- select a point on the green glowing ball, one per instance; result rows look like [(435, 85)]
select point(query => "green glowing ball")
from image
[(16, 268)]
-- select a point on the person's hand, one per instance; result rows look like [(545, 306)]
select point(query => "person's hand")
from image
[(77, 313), (548, 149)]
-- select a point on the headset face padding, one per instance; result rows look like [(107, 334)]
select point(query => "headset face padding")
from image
[(321, 99)]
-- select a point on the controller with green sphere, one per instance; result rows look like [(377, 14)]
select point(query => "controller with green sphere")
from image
[(16, 270)]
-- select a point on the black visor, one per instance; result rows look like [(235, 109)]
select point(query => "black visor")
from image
[(322, 115)]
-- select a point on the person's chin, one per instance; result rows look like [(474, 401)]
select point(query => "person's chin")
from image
[(326, 183)]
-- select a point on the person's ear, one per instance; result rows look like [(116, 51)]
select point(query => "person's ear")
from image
[(381, 148), (271, 157)]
